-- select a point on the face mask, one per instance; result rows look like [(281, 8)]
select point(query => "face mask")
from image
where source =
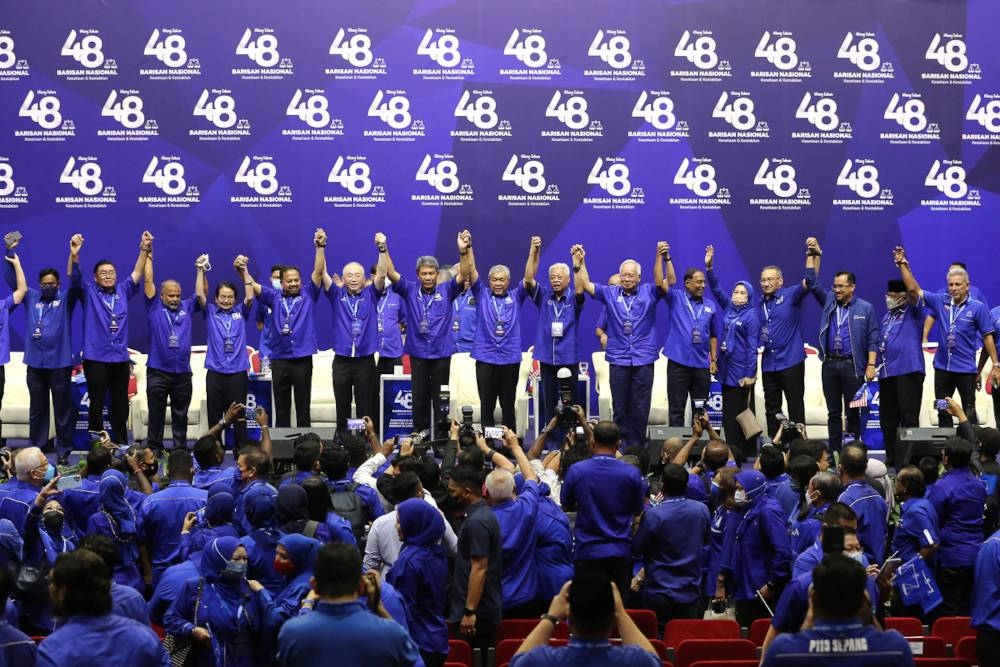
[(740, 497), (891, 302), (813, 496), (739, 300), (150, 471), (284, 566), (50, 472), (53, 520), (276, 283), (856, 556), (49, 292), (235, 572)]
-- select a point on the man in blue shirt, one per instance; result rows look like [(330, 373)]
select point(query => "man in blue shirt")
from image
[(986, 601), (355, 335), (33, 472), (389, 312), (557, 337), (963, 323), (782, 363), (771, 462), (428, 317), (847, 347), (959, 497), (168, 368), (292, 338), (596, 608), (871, 508), (264, 314), (838, 636), (632, 339), (163, 512), (974, 293), (464, 319), (607, 494), (47, 354), (105, 336), (900, 367), (340, 624), (692, 344), (670, 540), (90, 633), (917, 532)]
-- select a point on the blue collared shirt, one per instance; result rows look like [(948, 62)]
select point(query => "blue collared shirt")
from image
[(554, 563), (959, 497), (557, 315), (355, 321), (761, 551), (780, 488), (581, 653), (631, 323), (986, 592), (464, 321), (170, 335), (856, 324), (670, 540), (917, 529), (227, 338), (961, 330), (781, 326), (50, 320), (519, 581), (793, 605), (390, 337), (606, 494), (899, 342), (293, 327), (692, 322), (105, 321), (819, 646), (498, 327), (163, 515), (433, 340), (102, 640), (873, 512)]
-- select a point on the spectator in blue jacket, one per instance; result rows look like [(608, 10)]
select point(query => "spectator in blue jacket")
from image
[(125, 600), (848, 346), (917, 532), (418, 574), (867, 503), (986, 601), (737, 356), (771, 462)]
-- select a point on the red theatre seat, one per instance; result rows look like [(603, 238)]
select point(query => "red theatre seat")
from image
[(690, 651), (459, 652), (966, 649), (908, 626), (952, 628), (678, 630), (758, 631)]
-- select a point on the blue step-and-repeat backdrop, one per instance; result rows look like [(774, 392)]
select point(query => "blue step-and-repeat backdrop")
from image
[(239, 126)]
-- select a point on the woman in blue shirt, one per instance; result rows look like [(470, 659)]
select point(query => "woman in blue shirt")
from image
[(216, 520), (220, 611), (294, 558), (737, 362), (117, 520), (419, 575)]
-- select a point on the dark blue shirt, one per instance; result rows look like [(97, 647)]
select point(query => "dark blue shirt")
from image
[(780, 488), (856, 325), (498, 325), (79, 503), (360, 638), (105, 321), (917, 529), (607, 494), (986, 592), (692, 322), (899, 342), (873, 512), (670, 540), (355, 321), (463, 323), (519, 582), (781, 327), (581, 653), (93, 641), (631, 323), (170, 335), (554, 548), (47, 338), (840, 644), (169, 587), (793, 605), (16, 648), (722, 534), (293, 327), (390, 337), (961, 330), (227, 338), (959, 497), (558, 336), (163, 515), (478, 537), (428, 318)]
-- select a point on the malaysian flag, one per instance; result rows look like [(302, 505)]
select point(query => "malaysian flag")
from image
[(862, 398)]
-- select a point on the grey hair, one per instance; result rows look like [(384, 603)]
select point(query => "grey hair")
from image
[(25, 461), (958, 271), (638, 266), (560, 266), (500, 485), (499, 268), (427, 260), (828, 484), (772, 267)]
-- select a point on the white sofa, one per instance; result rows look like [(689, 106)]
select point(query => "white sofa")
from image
[(464, 390), (15, 399)]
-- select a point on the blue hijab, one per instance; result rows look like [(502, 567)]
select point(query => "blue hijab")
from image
[(112, 499), (302, 551), (221, 504), (216, 555), (422, 524)]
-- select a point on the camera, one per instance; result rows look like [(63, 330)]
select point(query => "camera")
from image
[(565, 416), (941, 404), (466, 428), (442, 413)]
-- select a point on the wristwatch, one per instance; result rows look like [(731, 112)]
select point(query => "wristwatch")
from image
[(468, 612), (549, 617)]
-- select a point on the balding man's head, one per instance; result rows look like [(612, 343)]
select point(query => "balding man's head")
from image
[(354, 277), (170, 294)]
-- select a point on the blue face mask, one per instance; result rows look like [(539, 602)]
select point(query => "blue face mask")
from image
[(50, 472), (276, 283), (235, 572)]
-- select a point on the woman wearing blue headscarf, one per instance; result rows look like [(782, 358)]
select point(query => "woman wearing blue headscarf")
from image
[(294, 558), (11, 551), (45, 537), (737, 370), (419, 575), (220, 611), (262, 541), (117, 520), (216, 520)]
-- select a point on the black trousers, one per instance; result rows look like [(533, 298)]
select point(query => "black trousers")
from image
[(41, 382), (792, 382), (945, 384), (956, 584), (684, 381), (548, 390), (619, 569), (734, 401), (286, 375), (427, 376), (988, 646), (899, 405), (840, 383), (667, 610), (387, 365), (103, 378), (748, 611), (497, 381), (221, 391), (357, 376), (161, 386)]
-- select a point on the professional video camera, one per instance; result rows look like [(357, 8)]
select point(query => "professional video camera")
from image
[(565, 416)]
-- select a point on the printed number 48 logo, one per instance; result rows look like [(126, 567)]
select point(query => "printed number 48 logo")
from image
[(312, 111), (614, 179), (86, 179), (863, 181), (169, 178), (950, 181), (262, 179), (263, 50), (355, 178), (443, 176), (780, 180), (530, 51), (443, 50), (530, 176), (700, 180)]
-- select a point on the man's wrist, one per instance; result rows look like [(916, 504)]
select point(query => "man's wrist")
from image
[(551, 618), (468, 612)]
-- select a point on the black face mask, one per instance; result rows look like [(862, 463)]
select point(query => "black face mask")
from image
[(53, 520), (149, 471)]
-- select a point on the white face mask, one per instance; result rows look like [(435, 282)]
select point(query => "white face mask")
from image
[(276, 283), (857, 556), (739, 299), (740, 497), (892, 302)]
